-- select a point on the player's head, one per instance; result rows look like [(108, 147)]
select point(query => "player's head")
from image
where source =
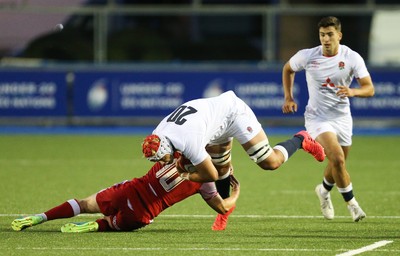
[(330, 21), (330, 35), (157, 148)]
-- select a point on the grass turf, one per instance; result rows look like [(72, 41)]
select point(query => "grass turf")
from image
[(277, 213)]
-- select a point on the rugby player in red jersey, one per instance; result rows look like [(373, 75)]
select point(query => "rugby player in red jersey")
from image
[(134, 204)]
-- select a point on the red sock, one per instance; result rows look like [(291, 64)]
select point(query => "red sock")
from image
[(66, 210)]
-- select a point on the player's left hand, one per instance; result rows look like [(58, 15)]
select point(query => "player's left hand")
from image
[(179, 166), (344, 91), (184, 165)]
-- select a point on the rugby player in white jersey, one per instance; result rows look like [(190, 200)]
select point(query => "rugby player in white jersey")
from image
[(203, 130), (330, 69)]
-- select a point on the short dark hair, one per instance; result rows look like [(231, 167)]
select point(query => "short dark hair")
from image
[(330, 21)]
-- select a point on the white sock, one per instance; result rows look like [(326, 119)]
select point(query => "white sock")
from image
[(283, 151), (43, 216), (353, 201), (323, 191)]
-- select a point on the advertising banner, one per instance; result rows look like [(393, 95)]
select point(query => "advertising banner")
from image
[(159, 93), (32, 93), (156, 94), (385, 102)]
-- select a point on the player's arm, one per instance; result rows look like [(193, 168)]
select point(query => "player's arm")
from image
[(289, 105), (365, 89), (224, 205), (205, 172)]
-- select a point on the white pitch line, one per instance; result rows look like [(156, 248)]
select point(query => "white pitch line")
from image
[(365, 248), (213, 216), (169, 249), (189, 249)]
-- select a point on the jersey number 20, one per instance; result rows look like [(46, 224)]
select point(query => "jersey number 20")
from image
[(178, 115)]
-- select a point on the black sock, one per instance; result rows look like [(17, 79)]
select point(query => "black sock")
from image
[(347, 196), (301, 137), (224, 187), (326, 186), (292, 145)]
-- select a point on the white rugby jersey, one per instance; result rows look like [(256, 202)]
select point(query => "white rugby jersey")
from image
[(196, 123), (323, 74)]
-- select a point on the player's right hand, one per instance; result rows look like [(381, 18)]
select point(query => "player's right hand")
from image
[(234, 183)]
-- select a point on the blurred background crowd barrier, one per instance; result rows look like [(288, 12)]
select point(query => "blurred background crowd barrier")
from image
[(132, 62)]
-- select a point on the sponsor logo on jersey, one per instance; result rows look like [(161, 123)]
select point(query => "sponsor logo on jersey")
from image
[(328, 83)]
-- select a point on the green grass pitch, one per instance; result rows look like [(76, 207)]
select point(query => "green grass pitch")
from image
[(277, 213)]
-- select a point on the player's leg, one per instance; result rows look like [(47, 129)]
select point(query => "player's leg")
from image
[(248, 131), (271, 158), (336, 158), (90, 205), (339, 144), (116, 207), (323, 193), (337, 171), (104, 202), (67, 209)]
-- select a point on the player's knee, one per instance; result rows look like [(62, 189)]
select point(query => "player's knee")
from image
[(83, 205), (269, 165), (88, 205), (338, 161)]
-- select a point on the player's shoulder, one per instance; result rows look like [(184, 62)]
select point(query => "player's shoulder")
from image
[(229, 93), (225, 95), (311, 51), (347, 51), (350, 56), (304, 55)]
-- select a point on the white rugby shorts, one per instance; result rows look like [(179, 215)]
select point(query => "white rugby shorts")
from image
[(342, 127), (243, 128)]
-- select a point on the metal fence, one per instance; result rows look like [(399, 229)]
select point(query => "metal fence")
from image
[(272, 16)]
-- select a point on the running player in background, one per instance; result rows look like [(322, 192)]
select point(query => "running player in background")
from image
[(330, 69), (203, 130), (133, 204)]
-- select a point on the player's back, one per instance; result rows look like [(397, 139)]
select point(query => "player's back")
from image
[(162, 187), (195, 123)]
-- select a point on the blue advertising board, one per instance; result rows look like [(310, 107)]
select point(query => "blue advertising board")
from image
[(155, 94), (159, 93), (385, 102), (33, 94)]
